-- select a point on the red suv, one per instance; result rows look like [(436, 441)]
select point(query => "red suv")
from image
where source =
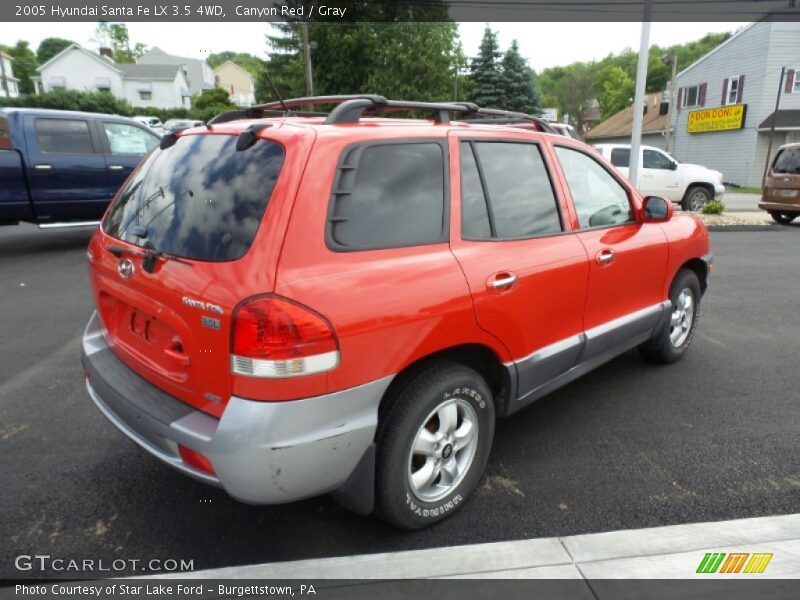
[(294, 305)]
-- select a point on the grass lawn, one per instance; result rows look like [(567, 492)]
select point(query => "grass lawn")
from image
[(743, 190)]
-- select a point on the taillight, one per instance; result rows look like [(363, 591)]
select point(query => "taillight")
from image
[(274, 337)]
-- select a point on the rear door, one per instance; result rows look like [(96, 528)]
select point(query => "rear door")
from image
[(66, 169), (203, 202), (527, 275), (627, 259), (124, 145)]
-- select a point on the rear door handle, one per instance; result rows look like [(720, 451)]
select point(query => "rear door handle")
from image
[(503, 280), (115, 167), (606, 257), (43, 167)]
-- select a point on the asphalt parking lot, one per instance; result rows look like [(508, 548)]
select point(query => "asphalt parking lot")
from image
[(630, 445)]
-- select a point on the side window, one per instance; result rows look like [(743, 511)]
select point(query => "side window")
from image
[(515, 188), (656, 160), (63, 136), (620, 157), (388, 196), (599, 199), (474, 211), (5, 134), (128, 139)]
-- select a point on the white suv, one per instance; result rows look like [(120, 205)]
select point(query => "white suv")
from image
[(661, 175)]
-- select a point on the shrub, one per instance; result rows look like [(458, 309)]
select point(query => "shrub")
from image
[(714, 207)]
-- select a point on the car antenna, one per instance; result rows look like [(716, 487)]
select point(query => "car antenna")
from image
[(287, 112)]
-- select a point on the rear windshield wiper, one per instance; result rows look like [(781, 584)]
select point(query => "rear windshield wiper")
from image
[(148, 254)]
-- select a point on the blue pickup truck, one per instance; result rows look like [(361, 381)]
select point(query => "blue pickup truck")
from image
[(62, 168)]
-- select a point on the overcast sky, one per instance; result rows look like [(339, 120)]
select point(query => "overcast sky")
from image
[(543, 44)]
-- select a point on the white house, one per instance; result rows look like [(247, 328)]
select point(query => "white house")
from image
[(238, 82), (199, 75), (726, 101), (9, 85), (76, 68)]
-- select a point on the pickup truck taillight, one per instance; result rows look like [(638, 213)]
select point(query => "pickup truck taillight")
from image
[(274, 337)]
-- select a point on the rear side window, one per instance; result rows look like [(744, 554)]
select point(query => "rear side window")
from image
[(199, 199), (128, 139), (63, 136), (620, 157), (388, 196), (787, 161), (506, 192)]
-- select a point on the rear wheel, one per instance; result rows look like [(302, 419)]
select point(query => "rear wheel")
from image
[(671, 342), (696, 198), (433, 445), (782, 217)]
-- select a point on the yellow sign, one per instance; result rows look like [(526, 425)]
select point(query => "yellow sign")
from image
[(717, 119)]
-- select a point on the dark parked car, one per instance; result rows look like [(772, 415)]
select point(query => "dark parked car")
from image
[(59, 168), (781, 197)]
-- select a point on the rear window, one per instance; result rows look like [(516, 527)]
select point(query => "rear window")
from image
[(620, 157), (64, 136), (387, 196), (5, 134), (199, 199), (787, 161)]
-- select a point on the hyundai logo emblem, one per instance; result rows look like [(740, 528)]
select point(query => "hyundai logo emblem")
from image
[(126, 268)]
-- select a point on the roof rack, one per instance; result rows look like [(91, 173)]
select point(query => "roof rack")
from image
[(350, 109)]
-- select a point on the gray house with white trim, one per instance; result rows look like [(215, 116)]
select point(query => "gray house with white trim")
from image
[(726, 101)]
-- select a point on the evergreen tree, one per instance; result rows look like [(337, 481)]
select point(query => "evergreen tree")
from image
[(49, 47), (486, 75), (518, 82)]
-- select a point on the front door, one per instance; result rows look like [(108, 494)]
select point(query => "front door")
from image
[(658, 176), (627, 259), (527, 276)]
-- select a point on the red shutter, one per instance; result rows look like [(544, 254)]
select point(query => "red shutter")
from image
[(680, 97), (740, 92), (789, 81), (702, 94), (724, 100)]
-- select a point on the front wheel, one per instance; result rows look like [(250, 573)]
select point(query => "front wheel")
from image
[(671, 342), (433, 445), (696, 198), (784, 218)]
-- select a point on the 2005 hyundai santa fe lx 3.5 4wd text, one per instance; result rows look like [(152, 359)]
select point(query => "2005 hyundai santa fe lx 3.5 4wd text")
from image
[(294, 305)]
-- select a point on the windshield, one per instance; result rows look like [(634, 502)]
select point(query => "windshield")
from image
[(199, 199), (787, 161)]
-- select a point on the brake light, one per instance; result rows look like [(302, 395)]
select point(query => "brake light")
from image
[(274, 337)]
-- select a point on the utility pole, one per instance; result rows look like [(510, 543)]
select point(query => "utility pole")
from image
[(307, 54), (672, 60), (638, 102), (772, 125)]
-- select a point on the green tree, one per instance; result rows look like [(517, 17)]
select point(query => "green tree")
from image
[(24, 65), (519, 82), (376, 49), (51, 46), (614, 90), (116, 37), (486, 74), (210, 103)]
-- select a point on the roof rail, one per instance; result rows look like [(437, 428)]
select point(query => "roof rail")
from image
[(542, 123), (350, 109)]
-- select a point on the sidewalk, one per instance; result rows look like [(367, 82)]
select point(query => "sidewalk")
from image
[(672, 552)]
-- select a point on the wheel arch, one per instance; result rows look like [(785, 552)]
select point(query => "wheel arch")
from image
[(699, 267), (703, 184)]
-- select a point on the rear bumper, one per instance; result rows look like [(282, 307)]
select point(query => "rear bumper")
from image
[(261, 452), (790, 205)]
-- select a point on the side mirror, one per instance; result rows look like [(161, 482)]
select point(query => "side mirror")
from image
[(656, 209), (674, 165)]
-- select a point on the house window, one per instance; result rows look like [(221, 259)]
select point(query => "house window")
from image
[(57, 83), (103, 84), (691, 96), (731, 96), (796, 85), (144, 95)]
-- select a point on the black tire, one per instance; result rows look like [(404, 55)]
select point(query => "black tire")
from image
[(696, 198), (784, 218), (412, 408), (663, 347)]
